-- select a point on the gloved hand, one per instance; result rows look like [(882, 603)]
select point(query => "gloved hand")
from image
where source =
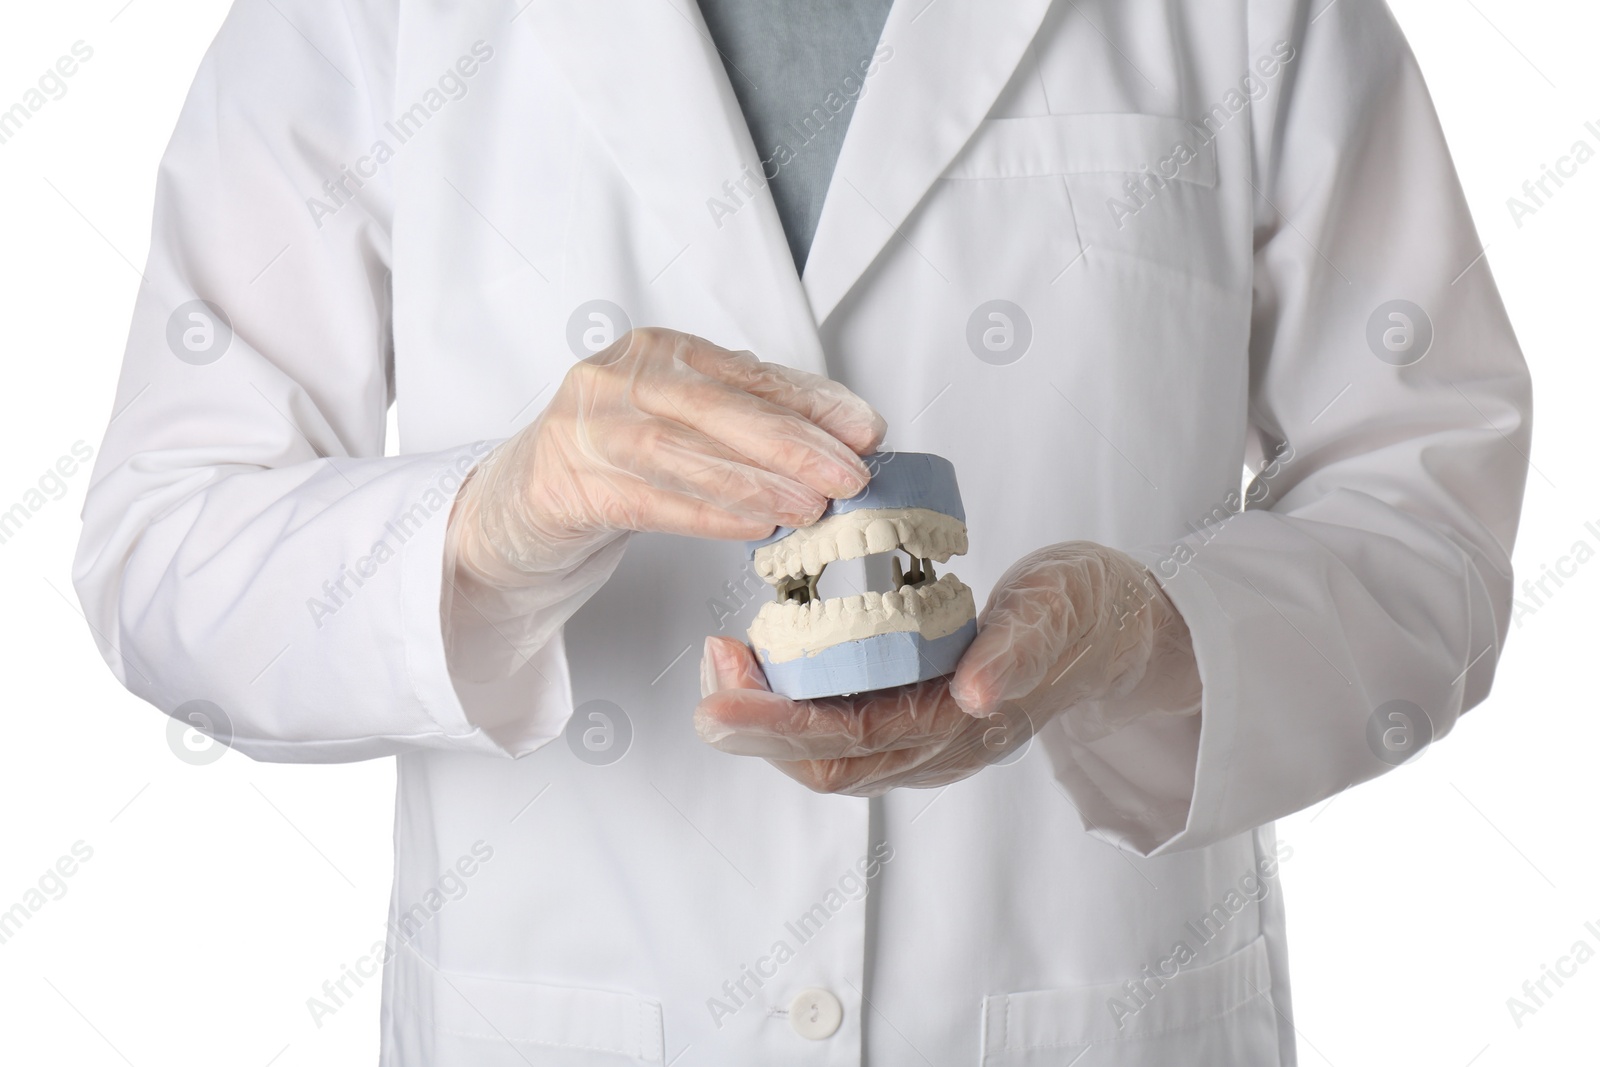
[(1075, 630), (665, 432)]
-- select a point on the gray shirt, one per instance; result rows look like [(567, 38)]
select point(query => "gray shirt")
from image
[(792, 63)]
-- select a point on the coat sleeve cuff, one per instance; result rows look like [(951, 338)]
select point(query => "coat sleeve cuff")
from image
[(510, 716), (1151, 787)]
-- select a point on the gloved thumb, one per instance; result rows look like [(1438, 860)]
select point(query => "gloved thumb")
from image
[(1000, 665), (728, 664), (1021, 636)]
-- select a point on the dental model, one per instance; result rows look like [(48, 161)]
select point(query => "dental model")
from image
[(810, 647)]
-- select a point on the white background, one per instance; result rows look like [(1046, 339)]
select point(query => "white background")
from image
[(220, 897)]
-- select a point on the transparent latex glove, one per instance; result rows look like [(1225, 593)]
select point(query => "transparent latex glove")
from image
[(1076, 631), (660, 432)]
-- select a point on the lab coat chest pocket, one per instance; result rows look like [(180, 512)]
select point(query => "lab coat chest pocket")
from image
[(456, 1020), (990, 230), (1141, 188), (1219, 1013)]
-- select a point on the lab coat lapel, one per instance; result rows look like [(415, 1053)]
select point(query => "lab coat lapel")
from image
[(950, 61), (648, 78)]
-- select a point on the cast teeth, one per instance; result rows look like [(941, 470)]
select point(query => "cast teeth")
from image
[(882, 536), (922, 533), (785, 630)]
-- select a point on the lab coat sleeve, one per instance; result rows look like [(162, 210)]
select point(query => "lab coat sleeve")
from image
[(1371, 562), (246, 542)]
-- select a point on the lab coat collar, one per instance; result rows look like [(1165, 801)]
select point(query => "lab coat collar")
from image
[(648, 77), (950, 61)]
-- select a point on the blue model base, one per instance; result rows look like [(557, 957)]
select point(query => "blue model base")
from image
[(880, 662)]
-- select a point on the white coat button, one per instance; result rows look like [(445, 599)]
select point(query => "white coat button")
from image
[(815, 1014)]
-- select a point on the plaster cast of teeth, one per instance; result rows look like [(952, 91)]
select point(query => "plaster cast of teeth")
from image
[(924, 534), (813, 648)]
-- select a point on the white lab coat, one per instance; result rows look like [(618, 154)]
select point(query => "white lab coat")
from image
[(633, 911)]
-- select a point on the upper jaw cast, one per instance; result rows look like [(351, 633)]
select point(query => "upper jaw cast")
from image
[(924, 534)]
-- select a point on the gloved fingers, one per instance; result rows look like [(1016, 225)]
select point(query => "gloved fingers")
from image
[(740, 715), (1055, 620), (749, 723), (670, 456), (646, 507), (1069, 627), (857, 776), (525, 549), (820, 400), (752, 723), (1027, 626), (914, 736), (1004, 662), (746, 426), (770, 447), (977, 744), (726, 663), (652, 372)]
